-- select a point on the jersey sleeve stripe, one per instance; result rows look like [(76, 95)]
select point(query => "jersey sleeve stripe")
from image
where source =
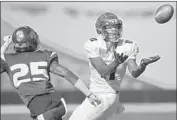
[(53, 53)]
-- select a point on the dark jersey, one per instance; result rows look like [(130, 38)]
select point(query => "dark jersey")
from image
[(29, 72)]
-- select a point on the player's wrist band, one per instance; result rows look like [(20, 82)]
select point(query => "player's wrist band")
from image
[(82, 87), (89, 94)]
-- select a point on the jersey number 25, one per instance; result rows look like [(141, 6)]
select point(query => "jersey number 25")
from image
[(35, 68)]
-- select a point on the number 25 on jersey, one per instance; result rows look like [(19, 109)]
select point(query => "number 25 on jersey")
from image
[(38, 69)]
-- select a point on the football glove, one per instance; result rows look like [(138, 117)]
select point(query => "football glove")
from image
[(94, 100), (7, 39), (149, 60), (120, 58)]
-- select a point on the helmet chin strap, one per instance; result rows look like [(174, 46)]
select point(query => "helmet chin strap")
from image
[(114, 41), (24, 48), (28, 49)]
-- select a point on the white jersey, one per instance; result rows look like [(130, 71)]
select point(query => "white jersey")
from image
[(96, 47)]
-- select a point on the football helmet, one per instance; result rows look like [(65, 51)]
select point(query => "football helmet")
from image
[(25, 39), (109, 26)]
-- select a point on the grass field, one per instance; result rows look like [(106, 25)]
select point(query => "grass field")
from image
[(162, 111)]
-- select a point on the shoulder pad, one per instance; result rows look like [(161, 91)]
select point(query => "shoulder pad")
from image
[(128, 41), (93, 39)]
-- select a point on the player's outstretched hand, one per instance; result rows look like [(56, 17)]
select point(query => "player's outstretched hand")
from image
[(7, 39), (120, 58), (150, 60), (94, 100)]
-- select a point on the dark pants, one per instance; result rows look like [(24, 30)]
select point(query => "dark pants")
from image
[(47, 107)]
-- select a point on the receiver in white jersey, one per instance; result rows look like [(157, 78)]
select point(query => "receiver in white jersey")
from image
[(106, 88), (103, 59), (109, 28), (96, 47)]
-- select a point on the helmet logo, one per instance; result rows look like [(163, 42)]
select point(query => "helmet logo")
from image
[(20, 35)]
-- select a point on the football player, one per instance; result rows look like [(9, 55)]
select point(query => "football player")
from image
[(106, 73), (28, 69)]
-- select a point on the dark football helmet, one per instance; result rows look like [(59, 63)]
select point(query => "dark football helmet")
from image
[(25, 39)]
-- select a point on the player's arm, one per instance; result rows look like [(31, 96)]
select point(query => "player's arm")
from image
[(135, 69), (56, 68), (64, 72), (101, 66), (7, 41), (104, 69), (92, 49), (73, 79)]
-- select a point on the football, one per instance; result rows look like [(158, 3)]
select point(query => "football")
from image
[(164, 13)]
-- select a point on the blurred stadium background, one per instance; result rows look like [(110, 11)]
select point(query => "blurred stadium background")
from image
[(65, 26)]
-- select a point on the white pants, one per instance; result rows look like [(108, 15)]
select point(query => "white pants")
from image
[(109, 106)]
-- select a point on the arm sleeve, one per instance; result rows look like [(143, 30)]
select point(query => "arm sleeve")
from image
[(92, 49)]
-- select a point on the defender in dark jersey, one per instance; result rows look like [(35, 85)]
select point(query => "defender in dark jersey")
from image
[(28, 69)]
